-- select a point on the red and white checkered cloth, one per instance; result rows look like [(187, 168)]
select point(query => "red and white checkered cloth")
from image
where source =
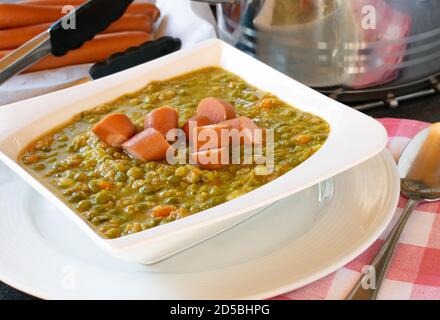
[(414, 272)]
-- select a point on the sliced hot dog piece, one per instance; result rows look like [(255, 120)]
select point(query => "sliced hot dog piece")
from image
[(247, 130), (149, 145), (197, 121), (234, 123), (162, 119), (210, 137), (212, 159), (217, 110), (115, 129)]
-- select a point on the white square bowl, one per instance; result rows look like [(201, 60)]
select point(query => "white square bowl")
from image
[(354, 138)]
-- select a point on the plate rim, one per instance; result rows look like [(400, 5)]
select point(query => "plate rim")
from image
[(373, 236)]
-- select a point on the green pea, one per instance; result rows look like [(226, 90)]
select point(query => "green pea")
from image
[(135, 173), (215, 191), (181, 171), (93, 119), (171, 200), (147, 225), (80, 176), (186, 205), (147, 189), (97, 209), (93, 186), (137, 184), (166, 220), (213, 202), (39, 166), (104, 197), (63, 138), (77, 196), (65, 182), (84, 205), (208, 176), (283, 129), (101, 218), (131, 209), (174, 179), (202, 196), (120, 176), (134, 101)]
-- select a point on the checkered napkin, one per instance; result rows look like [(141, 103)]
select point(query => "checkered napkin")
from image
[(414, 272)]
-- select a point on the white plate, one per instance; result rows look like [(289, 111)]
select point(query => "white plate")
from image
[(354, 138), (296, 241)]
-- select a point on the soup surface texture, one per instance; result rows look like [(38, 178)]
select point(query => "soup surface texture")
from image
[(119, 195)]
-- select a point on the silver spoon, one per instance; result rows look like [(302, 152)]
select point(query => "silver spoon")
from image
[(419, 169)]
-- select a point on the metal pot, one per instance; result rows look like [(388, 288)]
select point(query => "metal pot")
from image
[(355, 50)]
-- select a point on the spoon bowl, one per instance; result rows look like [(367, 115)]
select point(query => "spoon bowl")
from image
[(419, 166)]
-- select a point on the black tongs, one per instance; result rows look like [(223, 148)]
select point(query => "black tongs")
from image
[(90, 19)]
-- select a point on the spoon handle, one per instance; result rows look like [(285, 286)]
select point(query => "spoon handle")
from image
[(367, 288)]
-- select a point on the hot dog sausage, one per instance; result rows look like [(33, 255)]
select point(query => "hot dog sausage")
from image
[(197, 121), (115, 129), (162, 119), (217, 110), (247, 130), (17, 15), (14, 37), (210, 137), (149, 145), (131, 22), (135, 8), (98, 49)]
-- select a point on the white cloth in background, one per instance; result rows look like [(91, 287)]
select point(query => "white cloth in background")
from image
[(192, 22)]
